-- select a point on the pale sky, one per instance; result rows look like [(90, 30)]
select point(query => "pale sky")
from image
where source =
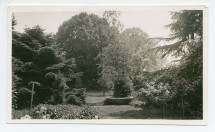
[(150, 20)]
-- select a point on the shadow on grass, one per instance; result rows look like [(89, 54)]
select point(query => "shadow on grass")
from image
[(96, 104), (131, 114), (146, 113)]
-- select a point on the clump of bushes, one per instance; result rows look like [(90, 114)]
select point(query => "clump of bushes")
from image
[(64, 112)]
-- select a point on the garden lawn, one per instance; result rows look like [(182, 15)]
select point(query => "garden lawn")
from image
[(95, 101), (131, 112), (96, 98), (119, 112)]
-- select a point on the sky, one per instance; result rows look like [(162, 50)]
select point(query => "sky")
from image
[(150, 20)]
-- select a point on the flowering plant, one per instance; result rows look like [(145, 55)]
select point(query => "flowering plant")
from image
[(26, 117), (65, 112)]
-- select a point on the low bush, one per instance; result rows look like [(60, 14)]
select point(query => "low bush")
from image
[(64, 112)]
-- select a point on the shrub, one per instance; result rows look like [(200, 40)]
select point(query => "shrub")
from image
[(46, 56), (50, 78), (64, 112), (24, 96), (156, 94), (55, 99), (72, 99), (121, 89), (76, 96)]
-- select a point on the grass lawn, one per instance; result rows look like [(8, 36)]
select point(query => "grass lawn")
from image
[(96, 98), (97, 93), (128, 111), (118, 111), (131, 112), (95, 101)]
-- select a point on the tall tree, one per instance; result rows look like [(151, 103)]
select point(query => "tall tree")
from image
[(27, 64), (112, 17), (142, 48), (126, 59), (14, 21), (35, 60), (187, 29), (82, 37), (186, 24)]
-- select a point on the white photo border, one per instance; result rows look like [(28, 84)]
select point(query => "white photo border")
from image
[(64, 8)]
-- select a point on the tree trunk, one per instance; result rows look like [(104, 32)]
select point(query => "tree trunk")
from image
[(192, 36)]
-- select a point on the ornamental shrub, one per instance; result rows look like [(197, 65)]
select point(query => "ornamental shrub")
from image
[(121, 89), (44, 111), (76, 96), (50, 78)]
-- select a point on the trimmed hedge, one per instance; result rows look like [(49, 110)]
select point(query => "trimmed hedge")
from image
[(118, 101)]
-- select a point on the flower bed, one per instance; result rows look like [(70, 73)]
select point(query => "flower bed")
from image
[(64, 112), (118, 101)]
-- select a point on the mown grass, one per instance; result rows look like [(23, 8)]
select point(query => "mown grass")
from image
[(95, 101), (97, 93), (131, 112)]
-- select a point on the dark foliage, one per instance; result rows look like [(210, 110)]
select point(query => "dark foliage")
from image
[(121, 89), (46, 57), (76, 96), (22, 51), (35, 60), (82, 37)]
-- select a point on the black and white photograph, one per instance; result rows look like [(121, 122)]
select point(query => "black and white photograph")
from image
[(108, 64)]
